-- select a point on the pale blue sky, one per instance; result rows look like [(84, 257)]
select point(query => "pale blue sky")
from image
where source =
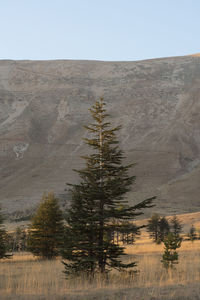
[(98, 29)]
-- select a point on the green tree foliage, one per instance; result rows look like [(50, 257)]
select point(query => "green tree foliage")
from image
[(192, 234), (46, 229), (170, 256), (153, 228), (2, 238), (164, 228), (98, 207), (158, 228), (176, 227)]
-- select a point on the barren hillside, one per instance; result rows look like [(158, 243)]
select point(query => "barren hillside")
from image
[(44, 104)]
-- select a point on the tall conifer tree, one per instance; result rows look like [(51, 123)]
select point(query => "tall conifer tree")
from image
[(98, 200), (46, 228)]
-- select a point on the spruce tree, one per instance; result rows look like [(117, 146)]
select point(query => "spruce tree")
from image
[(153, 227), (192, 233), (98, 205), (176, 226), (164, 228), (2, 238), (158, 228), (46, 228), (170, 256)]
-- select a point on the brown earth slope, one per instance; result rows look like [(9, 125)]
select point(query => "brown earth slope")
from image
[(44, 104)]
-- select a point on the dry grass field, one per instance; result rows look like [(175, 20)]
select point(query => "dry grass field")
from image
[(25, 277)]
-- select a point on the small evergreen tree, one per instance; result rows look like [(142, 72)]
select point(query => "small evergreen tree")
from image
[(46, 229), (164, 228), (158, 228), (153, 227), (170, 256), (176, 227), (192, 234), (98, 200), (2, 238)]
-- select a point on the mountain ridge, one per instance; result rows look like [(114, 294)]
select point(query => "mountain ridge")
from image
[(44, 104)]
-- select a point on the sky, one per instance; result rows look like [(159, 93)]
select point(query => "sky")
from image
[(110, 30)]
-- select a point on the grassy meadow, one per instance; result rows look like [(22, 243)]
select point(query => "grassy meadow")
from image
[(26, 277)]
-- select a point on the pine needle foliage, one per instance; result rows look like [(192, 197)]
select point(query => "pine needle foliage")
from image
[(46, 228), (98, 206), (158, 228), (153, 227), (176, 226), (170, 256), (192, 235), (164, 229)]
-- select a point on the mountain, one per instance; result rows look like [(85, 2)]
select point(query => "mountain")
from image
[(44, 105)]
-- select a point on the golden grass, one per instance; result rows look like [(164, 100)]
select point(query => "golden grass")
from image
[(146, 246), (25, 276)]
